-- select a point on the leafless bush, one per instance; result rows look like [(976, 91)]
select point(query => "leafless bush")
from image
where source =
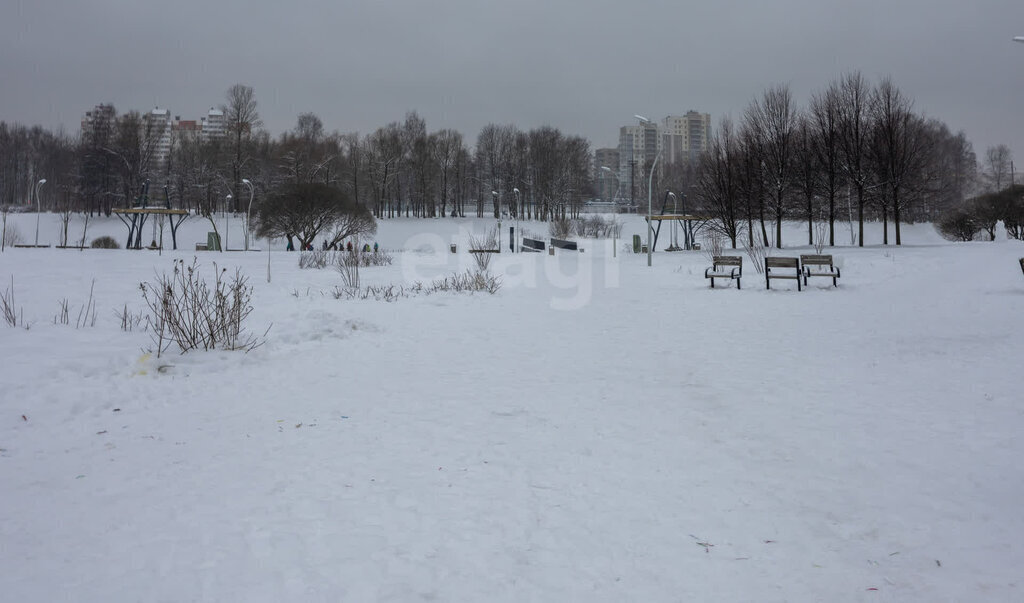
[(318, 259), (377, 258), (387, 293), (12, 236), (13, 315), (820, 236), (757, 252), (597, 227), (488, 241), (957, 225), (86, 313), (481, 246), (459, 282), (131, 320), (713, 246), (185, 310), (348, 267), (467, 281), (560, 227), (104, 242)]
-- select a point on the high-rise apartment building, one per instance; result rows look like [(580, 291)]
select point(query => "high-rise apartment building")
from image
[(100, 118), (213, 126), (638, 147), (156, 134), (607, 179), (685, 137)]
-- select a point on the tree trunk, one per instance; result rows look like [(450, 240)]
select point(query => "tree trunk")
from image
[(885, 225), (896, 218), (860, 216), (831, 219)]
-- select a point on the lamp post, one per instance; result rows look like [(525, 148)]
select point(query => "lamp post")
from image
[(519, 209), (39, 208), (675, 238), (650, 182), (226, 204), (248, 222), (605, 168)]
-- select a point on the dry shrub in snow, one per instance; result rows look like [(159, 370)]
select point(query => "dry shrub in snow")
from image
[(714, 246), (820, 236), (13, 315), (86, 313), (186, 310), (12, 236), (481, 246), (957, 225), (467, 281), (757, 252), (348, 268), (318, 258), (560, 227), (459, 282), (104, 243), (131, 320), (597, 227)]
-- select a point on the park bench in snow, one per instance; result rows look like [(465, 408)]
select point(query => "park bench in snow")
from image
[(725, 266), (781, 263), (825, 267)]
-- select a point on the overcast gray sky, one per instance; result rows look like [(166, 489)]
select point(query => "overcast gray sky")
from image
[(585, 67)]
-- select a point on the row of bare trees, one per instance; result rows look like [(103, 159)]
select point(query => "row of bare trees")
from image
[(855, 149), (399, 169)]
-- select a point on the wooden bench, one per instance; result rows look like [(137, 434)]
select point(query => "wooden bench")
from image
[(819, 260), (781, 263), (725, 266)]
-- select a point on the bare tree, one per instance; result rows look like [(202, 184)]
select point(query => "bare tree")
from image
[(718, 183), (824, 115), (773, 119), (897, 149), (806, 172), (998, 162), (241, 120), (854, 136)]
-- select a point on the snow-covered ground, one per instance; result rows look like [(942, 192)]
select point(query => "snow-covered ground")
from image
[(596, 431)]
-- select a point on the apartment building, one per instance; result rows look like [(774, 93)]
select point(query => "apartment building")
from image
[(607, 180)]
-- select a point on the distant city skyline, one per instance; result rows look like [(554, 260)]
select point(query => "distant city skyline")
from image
[(585, 68)]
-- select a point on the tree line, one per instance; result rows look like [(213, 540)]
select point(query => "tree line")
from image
[(856, 151), (400, 169)]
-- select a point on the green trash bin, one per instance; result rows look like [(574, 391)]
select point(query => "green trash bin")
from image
[(212, 241), (636, 243)]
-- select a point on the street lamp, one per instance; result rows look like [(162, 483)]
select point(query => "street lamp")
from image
[(519, 208), (605, 168), (227, 202), (650, 182), (248, 223), (674, 238), (39, 208)]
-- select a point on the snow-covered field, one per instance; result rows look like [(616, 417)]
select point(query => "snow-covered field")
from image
[(596, 431)]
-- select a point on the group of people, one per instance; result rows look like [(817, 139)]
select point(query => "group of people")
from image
[(336, 246)]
